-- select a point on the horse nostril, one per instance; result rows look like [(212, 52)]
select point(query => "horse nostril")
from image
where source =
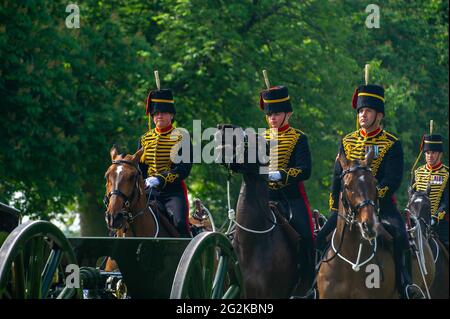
[(117, 221), (365, 226), (368, 228)]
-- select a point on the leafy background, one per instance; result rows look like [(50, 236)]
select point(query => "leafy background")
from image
[(68, 94)]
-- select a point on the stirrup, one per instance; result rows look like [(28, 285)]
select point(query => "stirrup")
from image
[(413, 291)]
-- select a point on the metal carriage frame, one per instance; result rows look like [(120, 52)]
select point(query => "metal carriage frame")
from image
[(37, 261)]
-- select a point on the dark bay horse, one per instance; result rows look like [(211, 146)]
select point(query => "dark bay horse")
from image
[(127, 211), (360, 261), (343, 274), (419, 209), (266, 253)]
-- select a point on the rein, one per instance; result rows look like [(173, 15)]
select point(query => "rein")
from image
[(232, 215)]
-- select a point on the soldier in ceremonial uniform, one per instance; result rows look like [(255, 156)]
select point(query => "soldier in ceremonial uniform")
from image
[(387, 167), (289, 166), (435, 174), (158, 168)]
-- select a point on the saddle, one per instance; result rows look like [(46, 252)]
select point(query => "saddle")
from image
[(163, 217), (386, 230), (280, 215)]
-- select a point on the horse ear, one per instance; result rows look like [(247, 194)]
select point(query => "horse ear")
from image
[(137, 156), (345, 163), (369, 156), (114, 151)]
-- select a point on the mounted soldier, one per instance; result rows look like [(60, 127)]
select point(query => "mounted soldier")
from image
[(387, 167), (289, 166), (434, 174), (157, 164)]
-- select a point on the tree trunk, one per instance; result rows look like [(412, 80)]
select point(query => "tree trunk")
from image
[(92, 221)]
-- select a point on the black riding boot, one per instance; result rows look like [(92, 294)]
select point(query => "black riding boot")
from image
[(403, 273), (307, 272), (308, 268), (328, 228)]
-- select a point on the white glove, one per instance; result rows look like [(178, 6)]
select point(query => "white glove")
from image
[(151, 182), (275, 176)]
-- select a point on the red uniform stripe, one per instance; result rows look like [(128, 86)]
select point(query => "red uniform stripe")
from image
[(185, 192), (301, 189), (394, 200)]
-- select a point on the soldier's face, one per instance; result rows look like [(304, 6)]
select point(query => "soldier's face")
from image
[(432, 158), (162, 119), (279, 119), (369, 118)]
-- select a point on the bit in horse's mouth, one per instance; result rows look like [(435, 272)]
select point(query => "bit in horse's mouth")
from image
[(368, 233)]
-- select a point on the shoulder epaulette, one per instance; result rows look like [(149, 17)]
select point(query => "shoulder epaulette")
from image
[(393, 137), (350, 135), (300, 132)]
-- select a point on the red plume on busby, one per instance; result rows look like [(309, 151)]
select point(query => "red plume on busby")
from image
[(261, 101), (160, 101), (355, 98), (422, 143), (149, 100)]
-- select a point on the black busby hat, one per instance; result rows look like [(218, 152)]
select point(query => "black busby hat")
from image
[(371, 96), (432, 142), (276, 99), (160, 101)]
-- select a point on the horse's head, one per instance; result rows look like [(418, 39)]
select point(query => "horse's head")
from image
[(124, 186), (419, 204), (240, 150), (359, 194)]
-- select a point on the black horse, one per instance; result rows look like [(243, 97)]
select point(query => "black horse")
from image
[(264, 242), (419, 210)]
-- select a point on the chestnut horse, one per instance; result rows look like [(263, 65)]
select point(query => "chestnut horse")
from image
[(128, 213), (266, 253), (360, 261), (419, 208)]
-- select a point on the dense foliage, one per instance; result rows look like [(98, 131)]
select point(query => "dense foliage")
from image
[(68, 94)]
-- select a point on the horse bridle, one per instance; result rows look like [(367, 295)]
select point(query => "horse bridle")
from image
[(125, 212), (428, 225), (352, 212), (350, 218)]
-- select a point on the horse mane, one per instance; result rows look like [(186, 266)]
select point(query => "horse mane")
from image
[(125, 157), (356, 162)]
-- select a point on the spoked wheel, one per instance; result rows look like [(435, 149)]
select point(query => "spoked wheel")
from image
[(32, 263), (208, 269)]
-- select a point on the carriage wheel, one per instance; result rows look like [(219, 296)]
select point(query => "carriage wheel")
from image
[(208, 269), (32, 263)]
